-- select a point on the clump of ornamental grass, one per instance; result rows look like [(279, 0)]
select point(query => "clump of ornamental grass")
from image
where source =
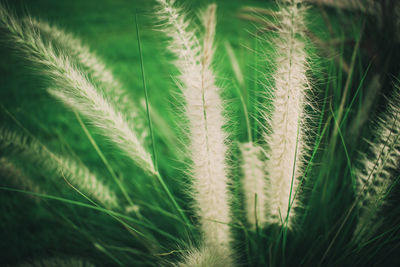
[(268, 178)]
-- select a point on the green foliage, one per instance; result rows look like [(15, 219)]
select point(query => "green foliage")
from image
[(351, 53)]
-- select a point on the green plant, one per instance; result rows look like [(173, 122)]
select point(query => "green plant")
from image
[(283, 189)]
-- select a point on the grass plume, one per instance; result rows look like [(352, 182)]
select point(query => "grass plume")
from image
[(203, 109), (73, 87), (377, 168), (112, 88), (287, 121), (74, 172), (203, 257)]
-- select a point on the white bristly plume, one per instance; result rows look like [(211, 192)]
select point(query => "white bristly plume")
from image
[(203, 257), (376, 170), (254, 183), (73, 88), (203, 110), (93, 65), (287, 122), (75, 173)]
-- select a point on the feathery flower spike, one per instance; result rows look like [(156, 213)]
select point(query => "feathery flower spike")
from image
[(286, 140), (77, 174), (74, 89), (112, 88), (377, 168), (203, 110)]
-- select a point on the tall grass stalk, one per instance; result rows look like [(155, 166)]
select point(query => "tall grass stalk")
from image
[(96, 70), (157, 174), (203, 109), (287, 123)]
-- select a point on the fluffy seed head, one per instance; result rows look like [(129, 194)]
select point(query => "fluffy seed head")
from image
[(287, 122), (375, 172), (203, 110), (75, 173), (74, 88), (96, 70)]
